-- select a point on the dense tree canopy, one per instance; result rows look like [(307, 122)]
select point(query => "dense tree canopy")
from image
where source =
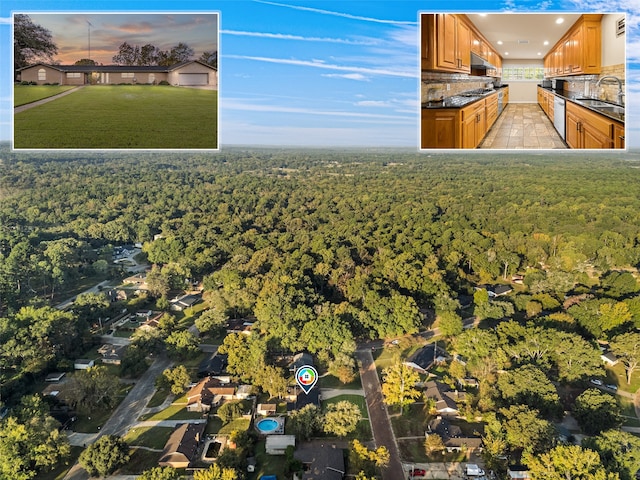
[(31, 42)]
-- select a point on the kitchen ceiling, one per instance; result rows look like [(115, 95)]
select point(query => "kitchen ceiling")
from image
[(523, 34)]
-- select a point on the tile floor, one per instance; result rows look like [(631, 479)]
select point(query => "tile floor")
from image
[(523, 125)]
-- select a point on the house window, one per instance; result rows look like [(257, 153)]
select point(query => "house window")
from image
[(42, 74), (73, 74), (523, 72), (127, 75)]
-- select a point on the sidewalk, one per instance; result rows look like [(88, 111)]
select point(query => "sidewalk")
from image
[(37, 103)]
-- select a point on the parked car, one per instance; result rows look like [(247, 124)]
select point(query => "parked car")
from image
[(417, 472), (613, 387), (596, 381)]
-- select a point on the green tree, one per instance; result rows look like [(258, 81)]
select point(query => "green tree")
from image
[(104, 456), (230, 411), (30, 441), (31, 42), (92, 389), (450, 324), (567, 462), (343, 367), (596, 411), (612, 315), (272, 381), (246, 355), (529, 385), (627, 347), (177, 379), (341, 418), (182, 344), (215, 472), (398, 386), (525, 430), (306, 422), (160, 473), (618, 450), (158, 283), (211, 321), (433, 443)]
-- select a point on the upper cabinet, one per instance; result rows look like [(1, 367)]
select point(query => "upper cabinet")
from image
[(447, 41), (579, 51)]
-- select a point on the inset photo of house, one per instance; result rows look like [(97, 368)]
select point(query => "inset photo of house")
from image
[(115, 80)]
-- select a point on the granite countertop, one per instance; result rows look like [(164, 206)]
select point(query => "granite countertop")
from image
[(578, 99), (462, 100)]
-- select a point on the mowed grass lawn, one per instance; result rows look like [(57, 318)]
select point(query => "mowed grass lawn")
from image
[(23, 94), (122, 116)]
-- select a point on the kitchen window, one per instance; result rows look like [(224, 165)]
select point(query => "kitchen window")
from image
[(523, 72)]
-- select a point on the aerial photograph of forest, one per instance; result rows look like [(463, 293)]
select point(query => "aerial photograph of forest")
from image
[(468, 316)]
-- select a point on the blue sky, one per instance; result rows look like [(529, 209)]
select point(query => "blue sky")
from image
[(323, 73)]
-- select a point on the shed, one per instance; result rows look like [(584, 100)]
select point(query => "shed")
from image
[(83, 363)]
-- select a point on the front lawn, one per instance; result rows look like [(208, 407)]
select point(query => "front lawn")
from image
[(122, 116), (617, 375), (140, 461), (23, 94), (150, 437), (172, 412)]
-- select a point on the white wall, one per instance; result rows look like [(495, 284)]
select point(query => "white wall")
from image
[(613, 47), (522, 91)]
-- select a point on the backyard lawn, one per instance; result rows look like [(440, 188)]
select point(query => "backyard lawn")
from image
[(122, 116), (23, 94)]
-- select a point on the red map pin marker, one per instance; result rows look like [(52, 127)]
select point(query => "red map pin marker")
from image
[(306, 376)]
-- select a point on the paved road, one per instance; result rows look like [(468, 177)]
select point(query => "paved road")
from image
[(128, 411), (380, 424), (94, 289)]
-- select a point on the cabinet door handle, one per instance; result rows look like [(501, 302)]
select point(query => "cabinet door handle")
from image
[(579, 126)]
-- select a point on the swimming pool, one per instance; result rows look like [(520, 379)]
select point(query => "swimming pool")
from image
[(267, 425)]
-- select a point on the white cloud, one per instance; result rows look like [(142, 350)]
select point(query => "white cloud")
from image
[(373, 103), (338, 14), (6, 20), (305, 63), (347, 76), (242, 105), (283, 36)]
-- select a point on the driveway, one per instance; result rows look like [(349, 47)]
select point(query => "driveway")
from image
[(380, 423)]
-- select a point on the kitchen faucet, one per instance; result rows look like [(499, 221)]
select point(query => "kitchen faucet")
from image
[(620, 92)]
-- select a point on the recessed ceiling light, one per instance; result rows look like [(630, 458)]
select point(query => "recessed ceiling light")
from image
[(499, 42), (559, 20), (482, 14), (506, 53), (539, 53), (546, 42)]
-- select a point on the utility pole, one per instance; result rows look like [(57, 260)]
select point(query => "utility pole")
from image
[(89, 38)]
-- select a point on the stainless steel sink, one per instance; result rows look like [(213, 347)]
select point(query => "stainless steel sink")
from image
[(611, 109), (599, 105)]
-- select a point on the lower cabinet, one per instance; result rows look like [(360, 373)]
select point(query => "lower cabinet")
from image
[(587, 129), (458, 127)]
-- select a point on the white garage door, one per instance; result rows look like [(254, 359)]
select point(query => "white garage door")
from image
[(193, 79)]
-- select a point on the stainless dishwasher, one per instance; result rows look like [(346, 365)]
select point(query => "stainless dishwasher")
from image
[(559, 115)]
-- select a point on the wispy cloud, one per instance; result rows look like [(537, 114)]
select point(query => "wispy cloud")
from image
[(6, 20), (339, 14), (322, 64), (242, 105), (284, 36), (348, 76)]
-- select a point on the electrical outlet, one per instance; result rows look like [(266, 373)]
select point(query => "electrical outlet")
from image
[(448, 87)]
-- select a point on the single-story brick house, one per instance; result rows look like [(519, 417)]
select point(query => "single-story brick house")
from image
[(191, 73), (181, 448)]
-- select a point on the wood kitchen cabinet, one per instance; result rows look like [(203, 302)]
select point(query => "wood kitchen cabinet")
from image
[(474, 124), (491, 110), (579, 51), (587, 129), (445, 43), (440, 128), (505, 97)]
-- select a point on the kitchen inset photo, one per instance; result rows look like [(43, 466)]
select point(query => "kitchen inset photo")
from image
[(522, 81), (115, 80)]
